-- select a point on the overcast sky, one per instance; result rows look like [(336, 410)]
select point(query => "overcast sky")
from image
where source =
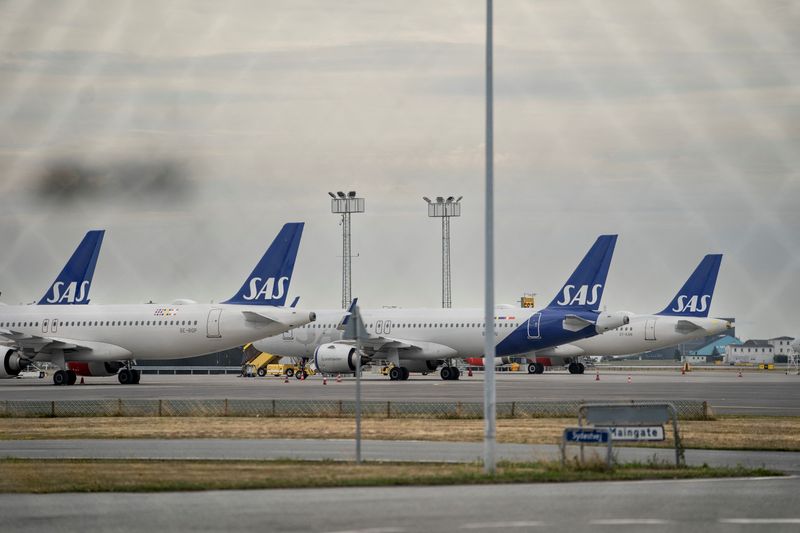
[(192, 130)]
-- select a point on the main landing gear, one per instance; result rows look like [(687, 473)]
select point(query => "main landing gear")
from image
[(536, 368), (399, 373), (576, 368), (65, 377), (129, 376), (449, 373)]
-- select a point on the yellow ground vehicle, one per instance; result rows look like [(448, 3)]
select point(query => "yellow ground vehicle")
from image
[(263, 363), (289, 370), (257, 361)]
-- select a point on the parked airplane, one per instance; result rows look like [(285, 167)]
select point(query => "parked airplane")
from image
[(422, 340), (685, 318), (103, 340), (73, 283)]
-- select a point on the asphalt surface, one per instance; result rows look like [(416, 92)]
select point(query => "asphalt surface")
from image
[(372, 450), (752, 505), (760, 393)]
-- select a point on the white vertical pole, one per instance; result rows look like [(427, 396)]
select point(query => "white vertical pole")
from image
[(489, 396), (357, 318)]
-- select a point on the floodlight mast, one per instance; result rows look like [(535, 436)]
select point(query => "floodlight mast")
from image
[(345, 204), (445, 209)]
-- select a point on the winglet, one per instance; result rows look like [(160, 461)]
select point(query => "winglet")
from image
[(348, 314), (270, 279), (584, 288), (353, 324), (694, 298), (73, 283)]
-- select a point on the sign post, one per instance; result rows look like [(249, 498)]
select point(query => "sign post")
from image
[(582, 435)]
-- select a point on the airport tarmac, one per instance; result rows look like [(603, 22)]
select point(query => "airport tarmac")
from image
[(756, 393), (372, 450), (758, 505)]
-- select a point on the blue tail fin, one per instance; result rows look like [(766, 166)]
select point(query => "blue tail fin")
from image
[(73, 283), (269, 281), (584, 288), (694, 298)]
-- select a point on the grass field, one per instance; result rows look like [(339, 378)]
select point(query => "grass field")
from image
[(46, 476), (726, 432)]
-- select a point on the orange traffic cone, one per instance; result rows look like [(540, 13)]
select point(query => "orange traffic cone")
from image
[(469, 372), (82, 382), (597, 376), (338, 378), (629, 378), (324, 380), (740, 373), (683, 371), (285, 378)]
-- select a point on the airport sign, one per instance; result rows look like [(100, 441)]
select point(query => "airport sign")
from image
[(637, 433), (587, 435)]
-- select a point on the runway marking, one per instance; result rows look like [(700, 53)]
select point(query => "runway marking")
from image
[(502, 525), (753, 407), (373, 530), (630, 522), (759, 520)]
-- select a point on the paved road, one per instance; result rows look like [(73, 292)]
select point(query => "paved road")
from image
[(374, 450), (756, 393), (752, 505)]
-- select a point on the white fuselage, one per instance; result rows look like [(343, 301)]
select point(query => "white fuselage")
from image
[(648, 332), (459, 330), (140, 331)]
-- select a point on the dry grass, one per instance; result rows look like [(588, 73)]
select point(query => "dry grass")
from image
[(729, 432), (147, 476)]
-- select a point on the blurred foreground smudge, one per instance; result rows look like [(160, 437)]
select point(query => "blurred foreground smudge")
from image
[(71, 180)]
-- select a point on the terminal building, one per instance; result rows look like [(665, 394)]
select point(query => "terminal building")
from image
[(760, 351)]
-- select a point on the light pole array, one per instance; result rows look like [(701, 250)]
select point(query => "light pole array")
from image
[(345, 204), (445, 209)]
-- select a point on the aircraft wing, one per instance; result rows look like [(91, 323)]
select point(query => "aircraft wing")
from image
[(377, 344), (32, 345), (372, 344)]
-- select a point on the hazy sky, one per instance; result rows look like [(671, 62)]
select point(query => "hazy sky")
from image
[(192, 130)]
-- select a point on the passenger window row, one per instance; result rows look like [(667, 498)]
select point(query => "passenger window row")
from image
[(88, 323)]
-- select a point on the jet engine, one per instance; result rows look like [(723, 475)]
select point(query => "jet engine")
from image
[(421, 366), (334, 358), (12, 363), (608, 321), (95, 368)]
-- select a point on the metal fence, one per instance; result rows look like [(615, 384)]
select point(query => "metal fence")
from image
[(687, 409)]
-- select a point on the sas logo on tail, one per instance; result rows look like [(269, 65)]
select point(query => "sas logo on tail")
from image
[(265, 290), (69, 295), (581, 297), (695, 304)]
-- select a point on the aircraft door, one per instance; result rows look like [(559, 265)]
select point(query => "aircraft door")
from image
[(379, 327), (650, 330), (387, 328), (288, 335), (212, 328), (45, 323), (54, 325), (533, 326)]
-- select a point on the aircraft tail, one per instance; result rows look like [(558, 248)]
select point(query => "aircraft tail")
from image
[(269, 281), (694, 298), (584, 288), (73, 283)]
